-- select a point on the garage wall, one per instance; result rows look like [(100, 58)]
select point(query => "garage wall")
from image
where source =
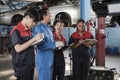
[(67, 32), (113, 37)]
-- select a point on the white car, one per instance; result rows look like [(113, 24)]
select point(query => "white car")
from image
[(6, 17), (69, 13)]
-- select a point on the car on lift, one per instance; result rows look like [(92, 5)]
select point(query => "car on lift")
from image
[(6, 17), (68, 12)]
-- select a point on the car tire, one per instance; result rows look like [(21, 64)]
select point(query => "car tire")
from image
[(65, 17)]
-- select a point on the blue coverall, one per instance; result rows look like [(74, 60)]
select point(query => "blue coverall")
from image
[(45, 52)]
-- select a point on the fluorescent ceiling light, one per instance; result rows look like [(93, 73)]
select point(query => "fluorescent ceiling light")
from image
[(114, 8)]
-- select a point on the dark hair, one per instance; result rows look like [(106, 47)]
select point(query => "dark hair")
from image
[(55, 22), (80, 20), (42, 12), (33, 13), (16, 19)]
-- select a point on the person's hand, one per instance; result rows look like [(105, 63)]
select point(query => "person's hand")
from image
[(80, 41), (88, 44), (38, 37)]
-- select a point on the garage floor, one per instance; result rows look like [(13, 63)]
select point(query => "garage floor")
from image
[(7, 73)]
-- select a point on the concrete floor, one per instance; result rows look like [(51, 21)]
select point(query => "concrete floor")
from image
[(6, 68), (7, 73)]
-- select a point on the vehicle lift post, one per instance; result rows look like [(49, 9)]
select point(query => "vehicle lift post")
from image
[(100, 46)]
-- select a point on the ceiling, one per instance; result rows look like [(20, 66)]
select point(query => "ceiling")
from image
[(22, 0)]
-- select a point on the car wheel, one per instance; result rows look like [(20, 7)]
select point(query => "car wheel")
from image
[(115, 19), (65, 18)]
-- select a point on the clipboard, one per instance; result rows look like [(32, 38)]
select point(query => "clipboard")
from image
[(60, 46), (38, 40), (91, 41)]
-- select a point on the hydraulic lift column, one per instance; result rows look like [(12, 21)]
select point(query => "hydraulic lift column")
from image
[(100, 46)]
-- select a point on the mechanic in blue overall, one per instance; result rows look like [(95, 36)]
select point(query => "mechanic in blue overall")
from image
[(23, 57), (45, 49), (59, 61), (80, 52)]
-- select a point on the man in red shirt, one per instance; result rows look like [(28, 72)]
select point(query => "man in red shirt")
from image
[(21, 41)]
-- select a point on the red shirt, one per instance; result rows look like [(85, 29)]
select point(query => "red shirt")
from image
[(24, 60), (24, 31), (57, 39), (85, 35)]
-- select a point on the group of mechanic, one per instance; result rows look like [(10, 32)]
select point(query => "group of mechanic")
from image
[(47, 55)]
